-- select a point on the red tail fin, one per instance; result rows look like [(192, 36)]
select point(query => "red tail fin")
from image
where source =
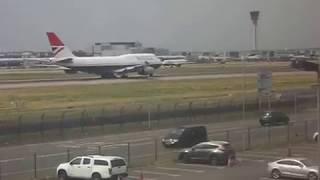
[(54, 39)]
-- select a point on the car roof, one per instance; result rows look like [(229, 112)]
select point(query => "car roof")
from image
[(190, 126), (292, 159), (108, 158), (215, 142)]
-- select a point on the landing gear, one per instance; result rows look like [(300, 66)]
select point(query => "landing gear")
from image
[(124, 76), (108, 76)]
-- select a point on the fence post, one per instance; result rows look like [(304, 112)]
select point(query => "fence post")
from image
[(249, 138), (0, 171), (155, 149), (19, 125), (295, 106), (175, 110), (83, 113), (149, 118), (306, 130), (289, 140), (269, 135), (228, 135), (42, 124), (101, 119), (62, 124), (68, 155), (99, 150), (191, 111), (35, 164), (121, 112), (158, 113), (128, 154)]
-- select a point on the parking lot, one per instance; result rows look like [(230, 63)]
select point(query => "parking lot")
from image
[(250, 165)]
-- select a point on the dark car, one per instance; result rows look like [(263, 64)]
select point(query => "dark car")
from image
[(185, 136), (273, 118), (213, 152)]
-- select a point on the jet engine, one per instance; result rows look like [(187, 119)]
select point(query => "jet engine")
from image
[(147, 70), (70, 71)]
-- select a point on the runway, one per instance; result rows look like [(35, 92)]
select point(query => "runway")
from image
[(94, 81)]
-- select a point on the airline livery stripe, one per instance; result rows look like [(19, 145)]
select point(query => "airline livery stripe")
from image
[(55, 53)]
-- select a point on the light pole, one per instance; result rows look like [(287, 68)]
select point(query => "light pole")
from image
[(244, 87), (317, 87), (255, 17), (318, 114)]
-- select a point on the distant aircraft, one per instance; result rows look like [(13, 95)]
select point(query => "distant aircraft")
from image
[(173, 60), (301, 57), (105, 66), (253, 57), (23, 61)]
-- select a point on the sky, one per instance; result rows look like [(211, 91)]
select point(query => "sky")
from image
[(191, 25)]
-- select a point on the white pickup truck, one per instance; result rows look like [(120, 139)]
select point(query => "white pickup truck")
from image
[(93, 167)]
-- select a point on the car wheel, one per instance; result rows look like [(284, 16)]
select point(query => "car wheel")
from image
[(213, 161), (312, 176), (275, 174), (185, 159), (96, 176), (62, 175)]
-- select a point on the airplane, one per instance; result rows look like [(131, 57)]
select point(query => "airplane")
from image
[(301, 57), (252, 57), (173, 60), (105, 66)]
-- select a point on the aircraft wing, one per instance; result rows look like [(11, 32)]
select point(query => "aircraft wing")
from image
[(49, 66), (175, 62), (128, 69)]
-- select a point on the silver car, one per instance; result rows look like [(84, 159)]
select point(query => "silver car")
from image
[(293, 167)]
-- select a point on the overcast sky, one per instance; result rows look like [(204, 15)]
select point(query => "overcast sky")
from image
[(174, 24)]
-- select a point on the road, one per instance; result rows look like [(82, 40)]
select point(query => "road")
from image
[(251, 165), (94, 81), (17, 162)]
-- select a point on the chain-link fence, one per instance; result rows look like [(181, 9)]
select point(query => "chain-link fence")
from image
[(151, 150), (85, 122)]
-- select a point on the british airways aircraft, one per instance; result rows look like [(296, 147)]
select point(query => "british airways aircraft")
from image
[(105, 66)]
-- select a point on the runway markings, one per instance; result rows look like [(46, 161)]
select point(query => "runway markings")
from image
[(157, 173), (27, 171), (180, 169), (201, 165), (52, 155), (138, 178), (9, 160), (259, 156)]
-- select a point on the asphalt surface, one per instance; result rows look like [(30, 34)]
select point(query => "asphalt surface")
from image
[(17, 162), (251, 165), (133, 80)]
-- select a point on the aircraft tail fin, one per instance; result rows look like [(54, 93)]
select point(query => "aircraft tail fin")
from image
[(59, 50)]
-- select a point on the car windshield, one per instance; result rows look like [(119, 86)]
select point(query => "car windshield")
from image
[(175, 133), (307, 162)]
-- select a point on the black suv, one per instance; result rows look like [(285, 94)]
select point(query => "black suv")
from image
[(185, 136), (273, 118), (213, 152)]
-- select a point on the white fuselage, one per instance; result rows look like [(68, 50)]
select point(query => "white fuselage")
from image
[(123, 60)]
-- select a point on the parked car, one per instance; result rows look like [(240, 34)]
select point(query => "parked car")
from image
[(185, 136), (273, 118), (212, 152), (293, 168), (93, 167)]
